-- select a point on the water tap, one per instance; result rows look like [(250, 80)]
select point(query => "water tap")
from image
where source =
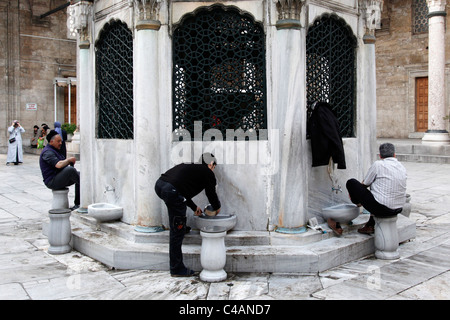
[(338, 189), (109, 188)]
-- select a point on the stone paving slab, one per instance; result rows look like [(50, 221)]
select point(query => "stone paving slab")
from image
[(27, 271)]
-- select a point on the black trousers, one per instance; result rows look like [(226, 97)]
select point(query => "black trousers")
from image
[(67, 177), (359, 194), (176, 205)]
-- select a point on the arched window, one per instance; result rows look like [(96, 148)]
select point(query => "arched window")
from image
[(219, 74), (331, 66), (114, 71)]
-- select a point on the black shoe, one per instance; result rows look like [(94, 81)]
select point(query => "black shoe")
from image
[(185, 273), (75, 207), (188, 229)]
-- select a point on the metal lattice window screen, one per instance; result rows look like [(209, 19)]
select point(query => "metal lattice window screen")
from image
[(330, 59), (420, 16), (114, 71), (219, 73)]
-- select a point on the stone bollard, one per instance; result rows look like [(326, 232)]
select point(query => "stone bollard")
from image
[(213, 254), (60, 231), (60, 199), (386, 238)]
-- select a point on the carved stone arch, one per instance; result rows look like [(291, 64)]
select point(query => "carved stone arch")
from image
[(336, 18), (219, 75), (213, 7), (331, 68), (107, 24), (114, 81)]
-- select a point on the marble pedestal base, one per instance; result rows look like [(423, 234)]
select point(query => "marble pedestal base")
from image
[(60, 231), (386, 238), (213, 254)]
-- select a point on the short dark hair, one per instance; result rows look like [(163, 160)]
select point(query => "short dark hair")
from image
[(207, 158), (387, 150)]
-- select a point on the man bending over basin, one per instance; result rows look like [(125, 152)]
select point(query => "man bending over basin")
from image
[(177, 187), (387, 181)]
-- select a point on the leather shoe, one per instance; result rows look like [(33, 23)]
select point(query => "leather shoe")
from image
[(335, 226), (367, 230)]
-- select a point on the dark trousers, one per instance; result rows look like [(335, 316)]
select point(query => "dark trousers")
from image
[(176, 206), (67, 177), (359, 194)]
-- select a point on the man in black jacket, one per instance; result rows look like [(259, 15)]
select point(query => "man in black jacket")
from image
[(177, 187)]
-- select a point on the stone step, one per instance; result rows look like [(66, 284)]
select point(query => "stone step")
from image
[(423, 158), (413, 150), (309, 252)]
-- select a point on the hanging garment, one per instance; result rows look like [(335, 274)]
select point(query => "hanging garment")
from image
[(326, 141)]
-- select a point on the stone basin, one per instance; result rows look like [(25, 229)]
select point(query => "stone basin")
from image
[(223, 221), (104, 212), (343, 213)]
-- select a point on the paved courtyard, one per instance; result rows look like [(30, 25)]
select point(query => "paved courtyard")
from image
[(27, 271)]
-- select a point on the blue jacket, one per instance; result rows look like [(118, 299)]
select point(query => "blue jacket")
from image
[(47, 161)]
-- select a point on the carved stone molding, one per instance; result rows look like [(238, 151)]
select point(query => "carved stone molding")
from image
[(289, 9), (436, 6), (371, 13), (289, 13), (78, 19), (147, 10)]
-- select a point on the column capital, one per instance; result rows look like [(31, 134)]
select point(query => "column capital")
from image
[(78, 14), (436, 6), (371, 14), (147, 14), (289, 13)]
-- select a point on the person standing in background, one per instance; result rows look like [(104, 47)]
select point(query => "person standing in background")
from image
[(35, 137), (63, 135), (15, 150)]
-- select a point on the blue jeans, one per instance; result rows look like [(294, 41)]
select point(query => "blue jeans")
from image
[(176, 206)]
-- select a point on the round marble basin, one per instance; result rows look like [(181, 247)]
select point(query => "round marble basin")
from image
[(343, 213), (103, 212), (209, 222)]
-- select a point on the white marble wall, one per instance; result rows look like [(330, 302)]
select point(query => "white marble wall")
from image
[(250, 190)]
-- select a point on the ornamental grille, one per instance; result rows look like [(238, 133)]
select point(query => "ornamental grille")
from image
[(219, 73), (114, 71), (420, 16), (330, 59)]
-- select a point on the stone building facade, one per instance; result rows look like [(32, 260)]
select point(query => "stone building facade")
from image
[(402, 54), (35, 50)]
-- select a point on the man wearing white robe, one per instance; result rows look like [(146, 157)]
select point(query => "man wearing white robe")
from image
[(15, 151)]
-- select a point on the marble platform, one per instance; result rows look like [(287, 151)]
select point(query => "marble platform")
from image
[(119, 246)]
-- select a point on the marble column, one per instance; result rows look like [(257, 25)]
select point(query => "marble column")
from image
[(289, 117), (147, 119), (78, 14), (371, 19), (437, 125)]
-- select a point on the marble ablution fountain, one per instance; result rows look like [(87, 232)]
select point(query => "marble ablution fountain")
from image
[(264, 175)]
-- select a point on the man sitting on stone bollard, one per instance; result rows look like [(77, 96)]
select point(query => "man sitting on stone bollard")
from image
[(387, 181), (57, 171)]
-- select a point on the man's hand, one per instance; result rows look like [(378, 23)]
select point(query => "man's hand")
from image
[(72, 160), (198, 212), (64, 163)]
